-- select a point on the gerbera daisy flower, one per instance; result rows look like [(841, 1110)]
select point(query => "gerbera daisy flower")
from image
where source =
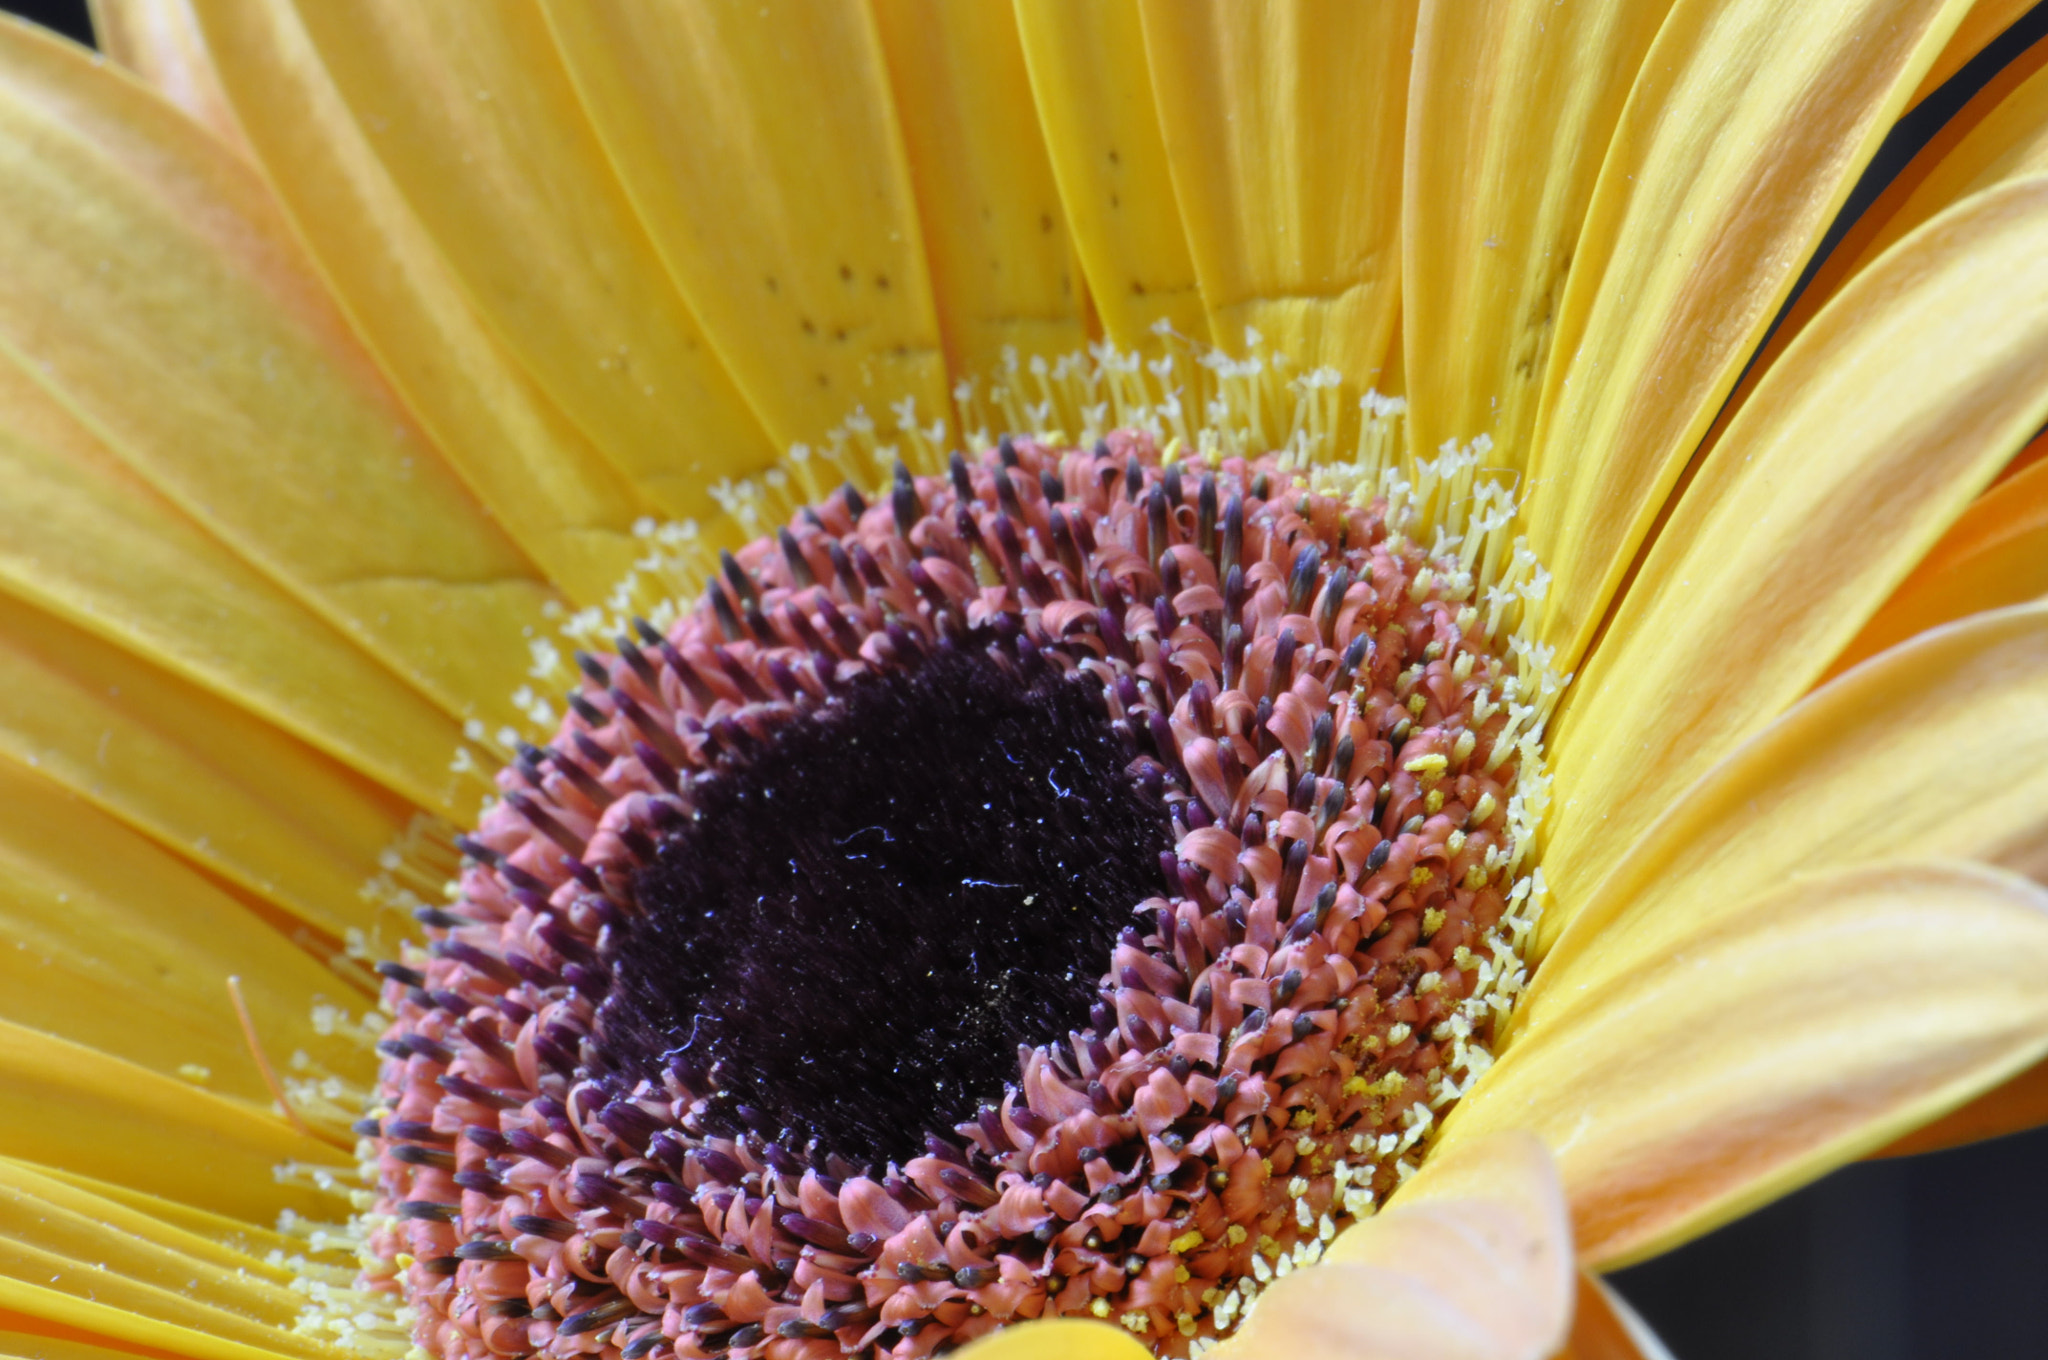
[(1122, 679)]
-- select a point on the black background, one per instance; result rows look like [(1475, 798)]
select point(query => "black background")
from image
[(1928, 1258)]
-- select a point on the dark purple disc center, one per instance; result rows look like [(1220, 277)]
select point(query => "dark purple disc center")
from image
[(849, 941)]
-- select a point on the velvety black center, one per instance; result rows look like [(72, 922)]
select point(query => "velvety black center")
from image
[(861, 925)]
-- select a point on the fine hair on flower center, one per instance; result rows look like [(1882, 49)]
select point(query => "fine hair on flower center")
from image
[(861, 921)]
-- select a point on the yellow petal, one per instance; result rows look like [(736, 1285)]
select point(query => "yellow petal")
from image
[(1094, 93), (1283, 126), (1745, 131), (119, 946), (159, 41), (1995, 555), (107, 1253), (1057, 1339), (26, 1338), (1604, 1327), (1940, 745), (1495, 199), (553, 492), (1863, 444), (154, 289), (2000, 134), (1756, 1047), (470, 111), (1986, 20), (1003, 269), (249, 1243), (84, 539), (217, 785), (759, 145), (1472, 1258), (64, 1104)]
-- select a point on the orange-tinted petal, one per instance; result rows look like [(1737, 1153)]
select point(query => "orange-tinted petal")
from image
[(2018, 1105), (1282, 125), (1744, 133), (1978, 30), (1855, 454), (1704, 1066), (1995, 555), (1604, 1327)]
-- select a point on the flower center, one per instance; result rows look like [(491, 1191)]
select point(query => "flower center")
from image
[(859, 925), (1071, 885)]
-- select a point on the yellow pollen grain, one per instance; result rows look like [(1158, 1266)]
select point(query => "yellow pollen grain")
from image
[(1420, 875), (1426, 766), (1433, 921), (1417, 702), (1187, 1242), (1454, 842), (1433, 801), (1461, 750)]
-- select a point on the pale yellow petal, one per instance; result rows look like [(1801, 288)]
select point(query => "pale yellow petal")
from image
[(759, 143), (1858, 450), (1981, 27), (1057, 1339), (1939, 747), (1003, 269), (64, 1104), (1283, 129), (86, 540), (159, 41), (1471, 1260), (470, 111), (1765, 1043), (117, 945), (1604, 1327), (1745, 131), (1995, 555), (1094, 93), (559, 498), (152, 286), (1495, 198)]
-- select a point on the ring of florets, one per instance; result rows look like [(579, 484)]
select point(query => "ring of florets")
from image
[(1311, 703)]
